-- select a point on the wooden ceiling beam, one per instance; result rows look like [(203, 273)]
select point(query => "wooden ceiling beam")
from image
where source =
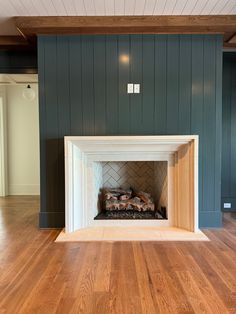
[(12, 41), (204, 24), (29, 27), (232, 40)]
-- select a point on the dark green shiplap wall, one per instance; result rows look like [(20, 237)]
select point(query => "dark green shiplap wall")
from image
[(229, 131), (19, 62), (83, 92)]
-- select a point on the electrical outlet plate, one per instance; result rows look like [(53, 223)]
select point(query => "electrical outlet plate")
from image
[(130, 88), (227, 205), (136, 88)]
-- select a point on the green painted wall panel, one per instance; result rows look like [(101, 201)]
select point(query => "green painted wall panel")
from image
[(64, 112), (148, 85), (218, 134), (229, 131), (226, 126), (197, 121), (83, 82), (209, 124), (75, 79), (172, 101), (123, 78), (136, 74), (233, 131), (43, 128), (112, 87), (185, 58), (100, 85), (87, 46), (18, 62), (52, 138), (160, 84)]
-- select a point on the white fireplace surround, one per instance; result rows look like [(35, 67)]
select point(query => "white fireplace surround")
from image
[(83, 152)]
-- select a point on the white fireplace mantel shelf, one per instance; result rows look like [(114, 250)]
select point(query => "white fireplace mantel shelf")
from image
[(180, 151)]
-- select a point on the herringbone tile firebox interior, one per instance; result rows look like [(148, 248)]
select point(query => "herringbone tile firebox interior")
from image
[(147, 176)]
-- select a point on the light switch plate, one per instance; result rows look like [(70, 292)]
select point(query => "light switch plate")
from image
[(227, 205), (136, 88), (130, 88)]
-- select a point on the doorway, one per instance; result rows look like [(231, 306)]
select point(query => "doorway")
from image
[(19, 135)]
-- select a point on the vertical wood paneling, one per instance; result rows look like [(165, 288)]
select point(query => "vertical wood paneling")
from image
[(136, 74), (228, 187), (75, 72), (4, 60), (43, 125), (226, 126), (123, 78), (64, 112), (88, 85), (209, 124), (52, 124), (185, 62), (148, 85), (63, 94), (18, 62), (218, 133), (160, 84), (83, 92), (197, 101), (112, 92), (172, 101), (233, 132), (100, 85)]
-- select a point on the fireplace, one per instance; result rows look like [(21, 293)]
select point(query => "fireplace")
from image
[(132, 190), (163, 167)]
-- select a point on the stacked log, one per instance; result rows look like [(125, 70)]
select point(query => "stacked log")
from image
[(120, 199)]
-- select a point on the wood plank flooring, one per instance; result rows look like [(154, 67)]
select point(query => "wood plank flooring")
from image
[(40, 276)]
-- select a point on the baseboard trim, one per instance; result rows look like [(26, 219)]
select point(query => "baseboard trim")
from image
[(51, 220), (24, 189)]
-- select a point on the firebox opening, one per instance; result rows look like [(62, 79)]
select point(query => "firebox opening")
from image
[(131, 190)]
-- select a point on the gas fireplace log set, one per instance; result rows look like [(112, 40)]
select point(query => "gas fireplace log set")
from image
[(128, 204), (119, 199)]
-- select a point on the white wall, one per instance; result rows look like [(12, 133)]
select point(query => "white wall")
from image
[(23, 142)]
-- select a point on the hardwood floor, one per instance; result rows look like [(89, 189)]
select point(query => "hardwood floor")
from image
[(40, 276)]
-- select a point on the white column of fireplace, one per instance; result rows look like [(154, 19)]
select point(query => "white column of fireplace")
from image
[(83, 155)]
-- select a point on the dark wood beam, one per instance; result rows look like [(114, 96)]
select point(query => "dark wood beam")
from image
[(17, 43), (229, 46), (204, 24), (232, 40), (228, 36), (11, 41), (30, 27)]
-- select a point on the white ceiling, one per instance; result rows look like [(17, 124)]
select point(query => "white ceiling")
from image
[(10, 8)]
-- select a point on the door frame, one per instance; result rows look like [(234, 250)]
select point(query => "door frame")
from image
[(3, 143)]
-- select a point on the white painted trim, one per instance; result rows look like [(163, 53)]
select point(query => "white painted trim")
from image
[(196, 178), (82, 151), (3, 144)]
